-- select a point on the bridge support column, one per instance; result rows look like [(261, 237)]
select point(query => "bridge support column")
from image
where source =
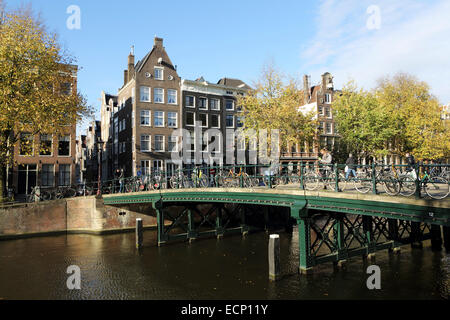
[(219, 221), (415, 237), (162, 238), (446, 238), (368, 231), (338, 235), (192, 232), (436, 237), (304, 231), (393, 235)]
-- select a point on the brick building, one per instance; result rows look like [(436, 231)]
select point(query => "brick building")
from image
[(54, 166)]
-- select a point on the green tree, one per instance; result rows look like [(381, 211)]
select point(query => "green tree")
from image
[(35, 73)]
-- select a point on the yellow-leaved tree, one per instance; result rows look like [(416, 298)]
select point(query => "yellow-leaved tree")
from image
[(273, 104), (35, 81)]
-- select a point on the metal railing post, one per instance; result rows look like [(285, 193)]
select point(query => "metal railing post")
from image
[(336, 172), (302, 186), (417, 182), (374, 178)]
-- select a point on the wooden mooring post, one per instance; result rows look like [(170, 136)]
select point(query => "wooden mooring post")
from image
[(274, 258), (139, 233)]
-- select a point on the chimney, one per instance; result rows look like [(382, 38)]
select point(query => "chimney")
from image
[(131, 64), (306, 88), (125, 77), (158, 42), (327, 81)]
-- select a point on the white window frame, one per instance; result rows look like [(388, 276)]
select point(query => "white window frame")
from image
[(218, 121), (206, 114), (54, 174), (187, 124), (176, 120), (193, 99), (331, 128), (149, 143), (240, 117), (218, 104), (149, 94), (146, 164), (328, 98), (163, 143), (149, 118), (51, 148), (233, 126), (226, 105), (330, 114), (206, 103), (162, 73), (154, 95), (176, 96), (70, 146), (154, 119), (192, 136)]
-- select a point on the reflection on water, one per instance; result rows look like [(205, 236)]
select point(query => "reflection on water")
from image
[(231, 268)]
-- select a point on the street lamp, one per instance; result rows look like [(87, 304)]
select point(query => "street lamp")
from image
[(99, 168)]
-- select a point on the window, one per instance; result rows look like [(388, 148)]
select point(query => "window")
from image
[(229, 105), (159, 95), (145, 117), (230, 92), (203, 117), (46, 145), (172, 96), (239, 122), (190, 101), (48, 175), (64, 146), (327, 98), (329, 130), (215, 121), (327, 112), (215, 104), (159, 119), (122, 125), (159, 143), (191, 142), (172, 119), (145, 167), (145, 94), (190, 118), (173, 146), (66, 88), (145, 143), (321, 110), (26, 144), (203, 103), (123, 147), (321, 128), (64, 174), (230, 121), (159, 73)]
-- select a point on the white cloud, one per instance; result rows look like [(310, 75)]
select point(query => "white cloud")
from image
[(414, 37)]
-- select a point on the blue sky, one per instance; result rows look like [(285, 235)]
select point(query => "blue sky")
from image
[(235, 38)]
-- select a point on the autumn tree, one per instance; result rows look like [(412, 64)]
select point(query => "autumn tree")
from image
[(415, 117), (35, 73), (400, 115), (273, 104)]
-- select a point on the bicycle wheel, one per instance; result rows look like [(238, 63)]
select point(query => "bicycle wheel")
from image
[(311, 181), (30, 197), (363, 184), (407, 186), (70, 193), (330, 181), (46, 196), (391, 185), (437, 188)]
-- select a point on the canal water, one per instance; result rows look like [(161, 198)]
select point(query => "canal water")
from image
[(230, 268)]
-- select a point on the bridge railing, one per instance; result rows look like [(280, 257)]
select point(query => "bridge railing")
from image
[(429, 180)]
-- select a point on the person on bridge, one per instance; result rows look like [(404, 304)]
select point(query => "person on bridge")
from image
[(351, 166), (411, 168), (325, 161), (121, 181)]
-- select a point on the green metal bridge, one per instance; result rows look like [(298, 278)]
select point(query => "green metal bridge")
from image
[(332, 226)]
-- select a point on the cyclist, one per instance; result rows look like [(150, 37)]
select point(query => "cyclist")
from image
[(351, 167)]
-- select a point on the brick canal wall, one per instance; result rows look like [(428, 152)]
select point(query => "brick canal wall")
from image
[(79, 215)]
